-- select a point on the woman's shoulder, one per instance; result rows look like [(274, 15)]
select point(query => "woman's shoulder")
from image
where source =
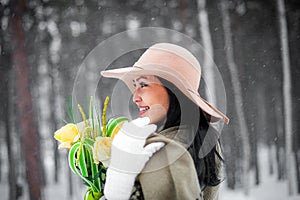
[(170, 153), (170, 173)]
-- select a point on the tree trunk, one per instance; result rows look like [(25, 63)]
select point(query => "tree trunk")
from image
[(54, 127), (5, 117), (53, 119), (279, 142), (231, 168), (12, 178), (29, 135), (286, 91), (237, 94), (280, 162), (260, 122), (209, 54), (256, 160), (297, 170), (0, 166), (270, 159), (70, 189)]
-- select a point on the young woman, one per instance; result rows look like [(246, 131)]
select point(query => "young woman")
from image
[(176, 162)]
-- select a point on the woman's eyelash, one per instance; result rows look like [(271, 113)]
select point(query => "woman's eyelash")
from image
[(142, 84)]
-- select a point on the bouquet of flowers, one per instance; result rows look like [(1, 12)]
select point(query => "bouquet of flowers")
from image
[(89, 144)]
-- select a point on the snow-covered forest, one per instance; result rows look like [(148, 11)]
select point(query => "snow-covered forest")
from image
[(253, 44)]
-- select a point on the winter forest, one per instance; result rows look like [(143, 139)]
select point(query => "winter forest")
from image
[(253, 43)]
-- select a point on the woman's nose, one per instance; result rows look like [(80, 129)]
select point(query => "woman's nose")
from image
[(136, 96)]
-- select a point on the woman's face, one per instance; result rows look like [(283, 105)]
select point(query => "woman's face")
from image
[(151, 97)]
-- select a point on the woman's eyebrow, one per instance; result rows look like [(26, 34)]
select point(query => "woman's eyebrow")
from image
[(142, 77)]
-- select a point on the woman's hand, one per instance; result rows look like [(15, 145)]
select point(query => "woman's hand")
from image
[(128, 157)]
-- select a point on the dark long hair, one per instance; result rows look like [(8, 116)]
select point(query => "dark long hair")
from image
[(182, 111)]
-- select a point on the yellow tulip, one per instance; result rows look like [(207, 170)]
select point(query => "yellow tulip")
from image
[(67, 135), (101, 150)]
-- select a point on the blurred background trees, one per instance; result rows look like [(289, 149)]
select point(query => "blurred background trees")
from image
[(43, 43)]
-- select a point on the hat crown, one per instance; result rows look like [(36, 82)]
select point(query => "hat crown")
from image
[(173, 59)]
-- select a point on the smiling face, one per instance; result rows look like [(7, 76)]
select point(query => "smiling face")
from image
[(151, 97)]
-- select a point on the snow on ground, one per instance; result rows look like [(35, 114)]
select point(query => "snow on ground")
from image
[(269, 188)]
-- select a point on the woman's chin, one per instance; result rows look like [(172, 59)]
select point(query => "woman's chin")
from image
[(157, 121)]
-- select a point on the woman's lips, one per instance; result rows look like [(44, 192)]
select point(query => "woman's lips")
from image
[(143, 110)]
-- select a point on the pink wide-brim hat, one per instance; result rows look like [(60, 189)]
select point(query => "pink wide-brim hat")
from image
[(174, 64)]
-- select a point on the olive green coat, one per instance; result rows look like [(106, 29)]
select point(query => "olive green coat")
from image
[(171, 173)]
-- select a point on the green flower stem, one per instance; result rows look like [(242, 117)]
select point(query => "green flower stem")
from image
[(95, 172), (72, 164), (82, 163), (89, 142), (81, 134)]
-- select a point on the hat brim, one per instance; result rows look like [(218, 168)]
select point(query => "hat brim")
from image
[(127, 74)]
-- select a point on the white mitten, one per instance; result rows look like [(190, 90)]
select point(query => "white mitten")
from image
[(128, 157)]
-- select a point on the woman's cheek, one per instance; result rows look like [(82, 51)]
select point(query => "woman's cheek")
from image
[(157, 113)]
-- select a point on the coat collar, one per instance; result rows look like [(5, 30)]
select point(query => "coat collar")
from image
[(181, 134)]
